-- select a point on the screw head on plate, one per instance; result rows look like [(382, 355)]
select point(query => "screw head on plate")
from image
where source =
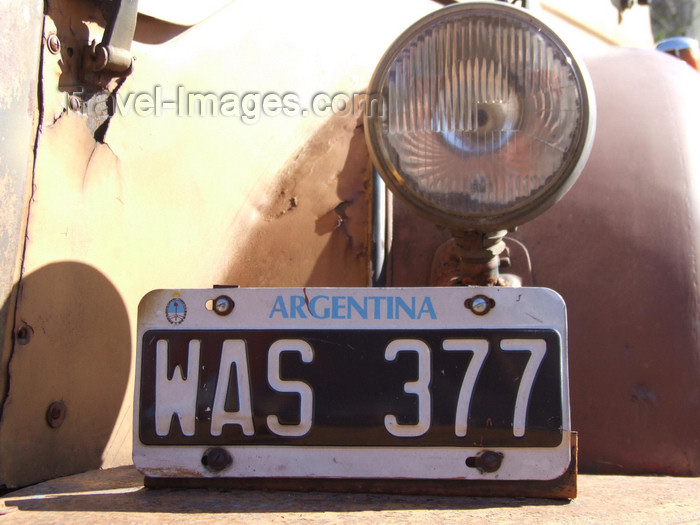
[(486, 461), (480, 305), (53, 43), (216, 459), (489, 461), (223, 305)]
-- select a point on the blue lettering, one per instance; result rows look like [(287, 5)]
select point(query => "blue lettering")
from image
[(427, 307), (279, 307), (344, 307), (339, 307), (377, 306), (296, 306), (361, 310), (401, 305), (312, 307)]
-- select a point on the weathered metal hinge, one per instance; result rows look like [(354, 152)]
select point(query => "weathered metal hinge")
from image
[(112, 57)]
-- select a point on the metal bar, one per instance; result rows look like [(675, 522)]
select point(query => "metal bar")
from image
[(379, 231)]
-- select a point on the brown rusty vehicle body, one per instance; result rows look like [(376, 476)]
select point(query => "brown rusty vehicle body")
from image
[(97, 210)]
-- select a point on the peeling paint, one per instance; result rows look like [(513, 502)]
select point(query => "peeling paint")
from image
[(325, 241), (292, 203)]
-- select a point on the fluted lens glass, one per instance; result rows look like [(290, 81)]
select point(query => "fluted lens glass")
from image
[(481, 112)]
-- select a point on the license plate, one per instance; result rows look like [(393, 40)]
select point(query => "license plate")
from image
[(360, 383)]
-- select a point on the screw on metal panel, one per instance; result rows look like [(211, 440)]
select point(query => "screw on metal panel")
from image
[(56, 414), (486, 461), (74, 103), (223, 305), (53, 43), (24, 334), (216, 459), (480, 305)]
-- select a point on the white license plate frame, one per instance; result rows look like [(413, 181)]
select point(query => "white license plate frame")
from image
[(293, 309)]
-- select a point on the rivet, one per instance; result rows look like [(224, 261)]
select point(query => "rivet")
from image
[(56, 414), (223, 305), (24, 334), (53, 43)]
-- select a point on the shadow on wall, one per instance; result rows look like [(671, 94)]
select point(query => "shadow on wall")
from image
[(68, 374)]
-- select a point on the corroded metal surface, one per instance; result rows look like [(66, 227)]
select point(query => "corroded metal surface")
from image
[(19, 112), (470, 258), (118, 496)]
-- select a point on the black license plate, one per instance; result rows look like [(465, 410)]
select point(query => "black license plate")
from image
[(351, 387)]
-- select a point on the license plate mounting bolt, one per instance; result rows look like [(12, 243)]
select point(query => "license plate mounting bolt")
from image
[(223, 305), (216, 459), (480, 304), (486, 461)]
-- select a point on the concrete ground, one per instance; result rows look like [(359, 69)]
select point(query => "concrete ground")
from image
[(118, 496)]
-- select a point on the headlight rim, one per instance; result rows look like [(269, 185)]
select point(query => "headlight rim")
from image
[(528, 208)]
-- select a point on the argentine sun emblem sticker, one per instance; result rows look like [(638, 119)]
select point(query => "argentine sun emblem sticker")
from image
[(175, 310)]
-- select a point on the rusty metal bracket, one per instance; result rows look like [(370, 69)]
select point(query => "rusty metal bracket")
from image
[(112, 56)]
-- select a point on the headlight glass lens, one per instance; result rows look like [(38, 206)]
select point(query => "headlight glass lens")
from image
[(483, 111)]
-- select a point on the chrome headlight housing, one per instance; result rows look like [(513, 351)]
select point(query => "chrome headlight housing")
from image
[(479, 116)]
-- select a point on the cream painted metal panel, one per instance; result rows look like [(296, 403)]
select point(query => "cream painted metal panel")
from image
[(19, 111), (171, 200)]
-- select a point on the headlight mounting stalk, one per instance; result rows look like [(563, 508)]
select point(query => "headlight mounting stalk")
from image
[(471, 258)]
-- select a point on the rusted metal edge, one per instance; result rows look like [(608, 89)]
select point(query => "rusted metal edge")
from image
[(4, 509), (563, 487)]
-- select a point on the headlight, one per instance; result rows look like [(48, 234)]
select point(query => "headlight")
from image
[(484, 119)]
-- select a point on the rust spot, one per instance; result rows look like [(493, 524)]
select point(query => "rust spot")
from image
[(335, 219), (340, 211), (292, 203)]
